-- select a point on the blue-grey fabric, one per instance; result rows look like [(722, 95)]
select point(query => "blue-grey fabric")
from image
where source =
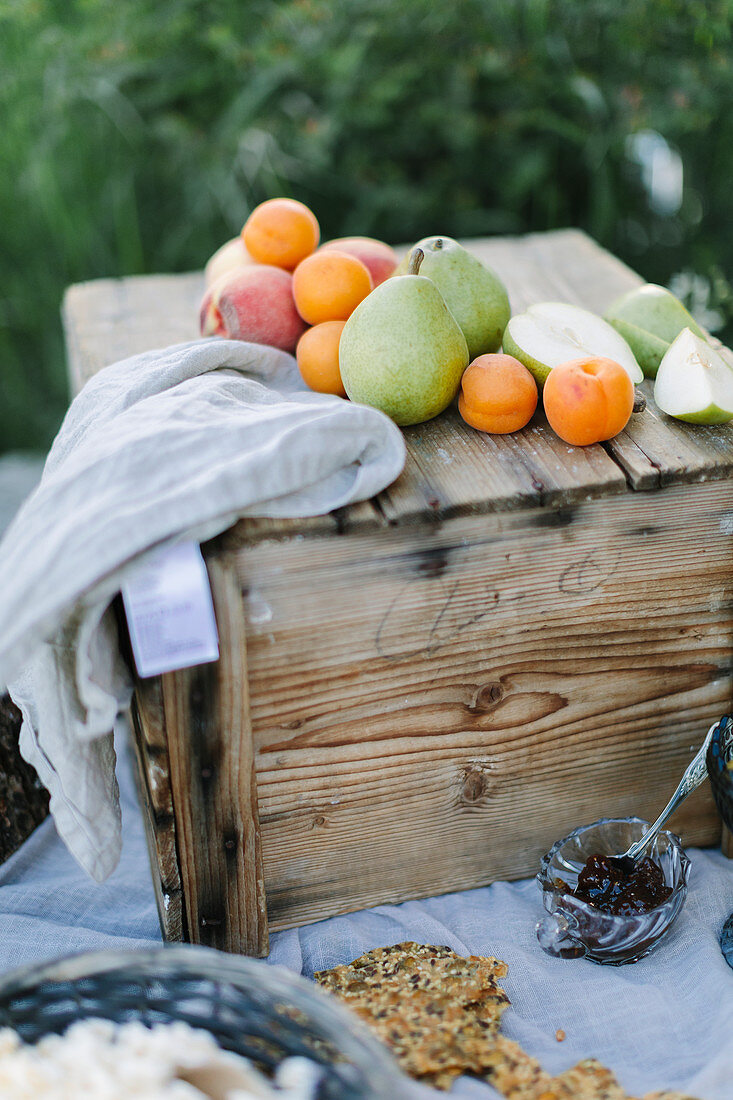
[(666, 1021)]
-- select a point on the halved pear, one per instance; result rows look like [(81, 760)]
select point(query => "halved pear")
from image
[(550, 333), (649, 318), (694, 383)]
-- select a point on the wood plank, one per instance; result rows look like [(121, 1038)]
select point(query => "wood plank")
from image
[(110, 319), (479, 687), (214, 787), (154, 787), (656, 450)]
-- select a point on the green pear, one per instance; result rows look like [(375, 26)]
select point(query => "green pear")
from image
[(401, 349), (694, 382), (550, 333), (474, 294), (649, 318)]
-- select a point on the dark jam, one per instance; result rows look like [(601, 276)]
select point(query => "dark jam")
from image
[(605, 884)]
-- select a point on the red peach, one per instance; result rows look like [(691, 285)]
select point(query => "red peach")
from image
[(229, 257), (253, 303), (378, 257)]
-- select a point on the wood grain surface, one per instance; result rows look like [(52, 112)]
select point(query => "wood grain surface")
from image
[(431, 709)]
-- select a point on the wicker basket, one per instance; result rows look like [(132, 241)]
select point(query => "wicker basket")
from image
[(254, 1009), (23, 801)]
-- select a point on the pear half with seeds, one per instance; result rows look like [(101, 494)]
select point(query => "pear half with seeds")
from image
[(649, 318), (694, 383), (550, 333)]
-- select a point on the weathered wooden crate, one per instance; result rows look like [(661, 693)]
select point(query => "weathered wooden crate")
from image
[(420, 693)]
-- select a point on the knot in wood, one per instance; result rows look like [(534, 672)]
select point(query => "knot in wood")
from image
[(488, 696), (474, 786)]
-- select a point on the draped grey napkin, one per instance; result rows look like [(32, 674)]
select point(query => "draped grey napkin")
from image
[(168, 445)]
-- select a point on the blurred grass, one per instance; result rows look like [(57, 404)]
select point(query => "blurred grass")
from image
[(136, 137)]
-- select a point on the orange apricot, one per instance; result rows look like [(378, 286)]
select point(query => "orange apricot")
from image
[(498, 394), (587, 400), (318, 357), (329, 285), (281, 232)]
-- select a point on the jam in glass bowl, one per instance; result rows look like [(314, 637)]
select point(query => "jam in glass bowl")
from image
[(576, 928)]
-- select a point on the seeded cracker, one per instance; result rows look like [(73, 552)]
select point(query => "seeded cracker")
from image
[(440, 1013), (590, 1080), (435, 1010)]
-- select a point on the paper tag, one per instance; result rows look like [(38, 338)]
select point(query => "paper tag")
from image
[(170, 612)]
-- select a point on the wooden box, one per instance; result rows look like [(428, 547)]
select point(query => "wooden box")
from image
[(421, 693)]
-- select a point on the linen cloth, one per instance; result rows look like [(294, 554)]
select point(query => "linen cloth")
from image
[(666, 1021), (169, 445)]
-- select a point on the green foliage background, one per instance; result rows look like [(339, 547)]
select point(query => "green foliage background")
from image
[(135, 136)]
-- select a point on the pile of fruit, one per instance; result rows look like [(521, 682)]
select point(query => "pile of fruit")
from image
[(407, 338)]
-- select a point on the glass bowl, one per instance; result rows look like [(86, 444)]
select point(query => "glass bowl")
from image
[(574, 929)]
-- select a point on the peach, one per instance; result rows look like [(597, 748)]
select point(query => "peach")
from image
[(379, 259), (230, 256), (254, 303)]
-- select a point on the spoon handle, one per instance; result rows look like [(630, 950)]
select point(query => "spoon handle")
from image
[(695, 774)]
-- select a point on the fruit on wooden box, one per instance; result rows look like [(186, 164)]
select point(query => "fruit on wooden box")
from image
[(588, 400), (694, 382), (377, 257), (401, 350), (329, 285), (318, 357), (550, 333), (498, 394), (231, 256), (474, 294), (253, 303), (281, 232), (649, 318)]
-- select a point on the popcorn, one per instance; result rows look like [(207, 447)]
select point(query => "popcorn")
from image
[(107, 1061)]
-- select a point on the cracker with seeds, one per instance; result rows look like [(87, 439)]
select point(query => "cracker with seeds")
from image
[(433, 1008), (514, 1073), (439, 1013), (589, 1080), (468, 980), (427, 1032)]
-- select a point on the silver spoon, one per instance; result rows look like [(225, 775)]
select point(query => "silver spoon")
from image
[(695, 774)]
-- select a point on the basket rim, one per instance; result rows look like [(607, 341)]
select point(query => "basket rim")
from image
[(347, 1032)]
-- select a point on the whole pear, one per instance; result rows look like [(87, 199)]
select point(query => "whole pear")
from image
[(401, 350), (474, 294), (650, 318)]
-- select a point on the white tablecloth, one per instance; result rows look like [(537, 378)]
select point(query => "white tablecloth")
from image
[(666, 1021)]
